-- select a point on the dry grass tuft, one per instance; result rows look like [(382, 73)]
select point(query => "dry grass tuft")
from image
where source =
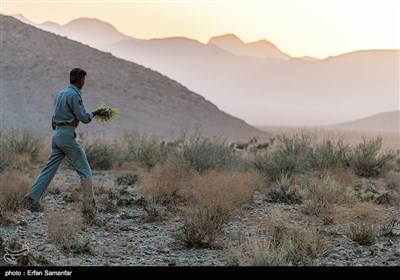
[(214, 196), (323, 194), (165, 183), (342, 175), (363, 222), (279, 244), (154, 212), (13, 187), (62, 230), (285, 191), (225, 187)]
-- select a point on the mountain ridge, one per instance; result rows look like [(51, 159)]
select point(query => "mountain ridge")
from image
[(259, 49), (271, 91), (382, 122), (149, 101)]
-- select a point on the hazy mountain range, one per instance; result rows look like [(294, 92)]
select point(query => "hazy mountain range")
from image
[(35, 65), (384, 122), (256, 81)]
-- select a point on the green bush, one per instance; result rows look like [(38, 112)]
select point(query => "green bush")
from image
[(367, 160), (330, 154), (203, 154), (293, 155), (101, 154), (139, 148), (24, 142)]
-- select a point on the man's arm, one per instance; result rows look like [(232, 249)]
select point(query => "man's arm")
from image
[(79, 110)]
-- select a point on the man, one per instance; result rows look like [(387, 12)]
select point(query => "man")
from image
[(68, 112)]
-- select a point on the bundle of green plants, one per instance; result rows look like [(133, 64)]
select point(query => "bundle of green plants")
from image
[(109, 114)]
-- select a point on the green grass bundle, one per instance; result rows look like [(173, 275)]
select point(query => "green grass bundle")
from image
[(110, 113)]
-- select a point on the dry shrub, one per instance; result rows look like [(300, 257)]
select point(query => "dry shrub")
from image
[(280, 244), (392, 179), (165, 182), (214, 196), (363, 221), (285, 191), (18, 148), (202, 225), (362, 232), (225, 187), (131, 166), (154, 212), (44, 152), (323, 194), (20, 160), (6, 219), (342, 175), (13, 187), (62, 228)]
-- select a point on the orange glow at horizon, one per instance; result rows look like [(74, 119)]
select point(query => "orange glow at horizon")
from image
[(298, 28)]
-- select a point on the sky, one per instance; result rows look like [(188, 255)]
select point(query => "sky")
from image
[(317, 28)]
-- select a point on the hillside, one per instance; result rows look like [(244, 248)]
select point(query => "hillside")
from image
[(281, 91), (35, 65), (384, 122)]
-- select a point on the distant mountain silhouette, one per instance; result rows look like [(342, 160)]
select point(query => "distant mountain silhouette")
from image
[(35, 66), (90, 31), (383, 122), (259, 49), (273, 91)]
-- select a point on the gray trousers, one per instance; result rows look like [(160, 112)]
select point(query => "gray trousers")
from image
[(63, 143)]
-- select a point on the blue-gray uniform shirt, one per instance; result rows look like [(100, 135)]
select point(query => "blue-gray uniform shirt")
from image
[(69, 109)]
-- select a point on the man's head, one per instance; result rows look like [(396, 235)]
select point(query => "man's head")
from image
[(77, 77)]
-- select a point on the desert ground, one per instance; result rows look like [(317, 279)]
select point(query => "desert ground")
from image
[(197, 202)]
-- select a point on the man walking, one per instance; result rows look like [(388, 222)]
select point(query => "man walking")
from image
[(68, 112)]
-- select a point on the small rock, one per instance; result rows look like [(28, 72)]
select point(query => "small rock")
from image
[(172, 262), (41, 247)]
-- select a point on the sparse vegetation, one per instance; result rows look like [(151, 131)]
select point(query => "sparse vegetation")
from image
[(62, 230), (214, 196), (101, 154), (368, 160), (13, 187), (203, 154), (322, 196), (23, 142), (166, 182), (139, 148), (325, 187), (18, 148), (280, 244), (282, 192), (330, 154)]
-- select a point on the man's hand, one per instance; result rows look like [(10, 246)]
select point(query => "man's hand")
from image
[(99, 112)]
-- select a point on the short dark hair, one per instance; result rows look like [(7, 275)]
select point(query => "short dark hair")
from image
[(76, 75)]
